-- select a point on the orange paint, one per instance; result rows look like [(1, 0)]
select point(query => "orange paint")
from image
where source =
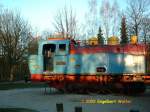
[(36, 77), (72, 51), (57, 39), (71, 77)]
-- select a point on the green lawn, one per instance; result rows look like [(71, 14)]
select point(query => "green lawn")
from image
[(11, 85), (16, 110)]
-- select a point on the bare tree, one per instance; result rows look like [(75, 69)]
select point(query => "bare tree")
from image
[(47, 34), (110, 17), (92, 23), (145, 30), (115, 18), (136, 11), (33, 45), (105, 12), (65, 22), (14, 38)]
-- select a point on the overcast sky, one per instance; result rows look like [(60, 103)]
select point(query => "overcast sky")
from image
[(41, 13)]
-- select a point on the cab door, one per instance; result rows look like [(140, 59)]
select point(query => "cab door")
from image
[(49, 51), (61, 57)]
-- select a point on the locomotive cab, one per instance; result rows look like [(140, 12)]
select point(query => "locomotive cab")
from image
[(54, 53), (51, 58)]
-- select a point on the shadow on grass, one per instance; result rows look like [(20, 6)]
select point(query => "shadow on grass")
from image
[(16, 110)]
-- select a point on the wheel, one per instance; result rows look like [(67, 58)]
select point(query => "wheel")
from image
[(118, 87)]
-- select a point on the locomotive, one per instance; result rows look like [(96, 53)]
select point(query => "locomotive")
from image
[(70, 67)]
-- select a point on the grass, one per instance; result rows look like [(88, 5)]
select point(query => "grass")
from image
[(16, 110), (20, 85)]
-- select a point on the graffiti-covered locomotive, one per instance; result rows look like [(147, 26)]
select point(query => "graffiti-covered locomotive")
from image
[(68, 66)]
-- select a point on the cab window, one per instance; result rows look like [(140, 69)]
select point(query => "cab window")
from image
[(48, 49), (62, 47)]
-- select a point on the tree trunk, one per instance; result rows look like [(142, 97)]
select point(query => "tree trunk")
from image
[(11, 78)]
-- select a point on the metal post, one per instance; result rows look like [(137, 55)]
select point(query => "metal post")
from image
[(59, 107), (78, 109), (45, 86)]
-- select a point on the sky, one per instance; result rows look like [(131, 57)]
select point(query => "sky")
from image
[(41, 13)]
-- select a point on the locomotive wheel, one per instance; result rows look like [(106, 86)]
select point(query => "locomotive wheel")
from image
[(118, 88), (69, 88), (134, 88), (74, 88), (101, 89), (105, 90)]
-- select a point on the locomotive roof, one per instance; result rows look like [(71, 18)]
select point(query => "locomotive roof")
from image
[(75, 48)]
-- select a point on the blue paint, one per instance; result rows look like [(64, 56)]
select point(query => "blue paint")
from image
[(87, 63), (61, 69), (36, 64)]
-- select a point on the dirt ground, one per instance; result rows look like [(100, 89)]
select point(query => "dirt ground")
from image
[(36, 99)]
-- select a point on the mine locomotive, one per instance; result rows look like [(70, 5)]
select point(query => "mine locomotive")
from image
[(70, 66)]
